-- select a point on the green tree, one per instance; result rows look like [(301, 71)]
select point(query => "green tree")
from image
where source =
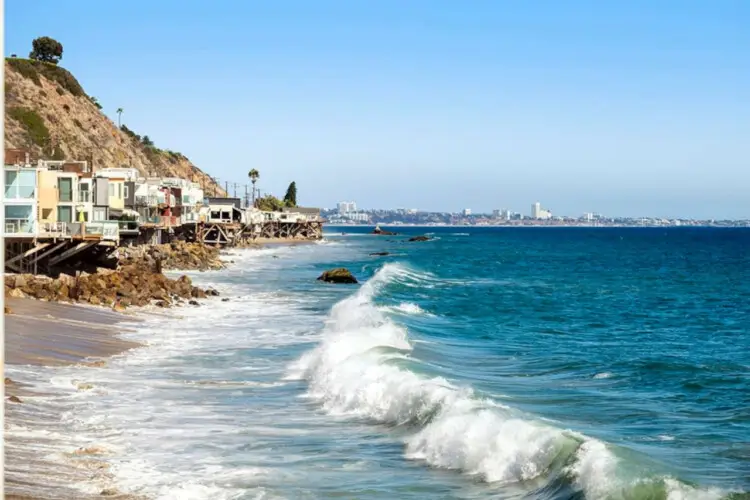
[(96, 102), (146, 141), (119, 116), (269, 203), (290, 198), (46, 49)]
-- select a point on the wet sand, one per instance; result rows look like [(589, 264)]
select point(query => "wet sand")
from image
[(51, 334)]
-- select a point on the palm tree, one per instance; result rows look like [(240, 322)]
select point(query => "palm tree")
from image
[(119, 115), (254, 175)]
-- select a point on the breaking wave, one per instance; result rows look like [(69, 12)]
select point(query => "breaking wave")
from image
[(359, 370)]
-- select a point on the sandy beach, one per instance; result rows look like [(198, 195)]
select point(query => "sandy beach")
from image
[(51, 334)]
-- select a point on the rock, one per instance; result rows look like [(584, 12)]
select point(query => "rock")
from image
[(8, 310), (225, 299), (14, 399), (19, 281), (194, 303), (420, 238), (197, 293), (16, 293), (8, 381), (162, 303), (107, 492), (380, 254), (340, 275), (383, 232), (211, 292)]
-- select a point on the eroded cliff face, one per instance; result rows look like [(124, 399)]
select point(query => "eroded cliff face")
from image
[(48, 113)]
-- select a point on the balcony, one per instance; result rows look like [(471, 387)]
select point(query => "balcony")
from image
[(54, 229), (20, 227), (105, 230), (84, 196)]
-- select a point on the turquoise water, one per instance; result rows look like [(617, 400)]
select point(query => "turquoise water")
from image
[(487, 363)]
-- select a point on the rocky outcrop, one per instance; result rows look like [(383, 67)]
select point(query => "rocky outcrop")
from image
[(420, 238), (131, 285), (8, 310), (340, 275), (383, 232), (177, 255)]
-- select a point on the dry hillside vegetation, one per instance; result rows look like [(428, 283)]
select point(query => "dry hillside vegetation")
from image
[(48, 112)]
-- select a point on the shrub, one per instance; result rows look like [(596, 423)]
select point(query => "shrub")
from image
[(43, 93), (66, 108), (32, 122), (60, 91), (78, 123), (33, 69)]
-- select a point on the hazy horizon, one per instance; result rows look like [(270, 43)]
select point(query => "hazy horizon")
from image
[(626, 109)]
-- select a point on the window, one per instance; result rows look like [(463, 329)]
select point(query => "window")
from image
[(11, 187), (65, 189), (20, 184), (127, 192), (100, 214), (64, 214)]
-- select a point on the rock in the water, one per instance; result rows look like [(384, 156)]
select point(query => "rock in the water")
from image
[(383, 232), (420, 238), (380, 254), (14, 399), (212, 293), (193, 303), (340, 275), (8, 310), (225, 299)]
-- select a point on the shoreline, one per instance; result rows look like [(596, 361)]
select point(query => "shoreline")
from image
[(44, 335)]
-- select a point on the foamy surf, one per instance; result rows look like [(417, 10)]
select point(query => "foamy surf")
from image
[(352, 372)]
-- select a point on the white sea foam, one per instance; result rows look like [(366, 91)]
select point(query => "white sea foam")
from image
[(408, 308), (351, 373)]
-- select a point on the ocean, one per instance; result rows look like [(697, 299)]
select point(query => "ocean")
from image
[(535, 363)]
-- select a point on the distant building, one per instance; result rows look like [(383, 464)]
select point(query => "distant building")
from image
[(505, 214), (346, 207), (467, 212), (496, 214), (537, 212)]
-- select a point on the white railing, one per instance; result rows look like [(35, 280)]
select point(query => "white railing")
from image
[(108, 230), (54, 228), (20, 226)]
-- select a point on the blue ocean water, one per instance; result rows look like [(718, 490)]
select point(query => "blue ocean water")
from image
[(549, 363)]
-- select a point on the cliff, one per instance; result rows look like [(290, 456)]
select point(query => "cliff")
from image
[(48, 113)]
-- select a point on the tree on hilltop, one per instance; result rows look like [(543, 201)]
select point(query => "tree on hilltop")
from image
[(46, 49), (146, 141), (290, 198)]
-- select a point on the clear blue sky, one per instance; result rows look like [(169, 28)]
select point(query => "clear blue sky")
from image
[(637, 107)]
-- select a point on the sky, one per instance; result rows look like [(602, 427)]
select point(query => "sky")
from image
[(627, 108)]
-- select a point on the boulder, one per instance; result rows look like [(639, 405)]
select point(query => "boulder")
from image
[(16, 293), (380, 254), (193, 303), (339, 275), (8, 310), (383, 232), (420, 238), (14, 399), (211, 292)]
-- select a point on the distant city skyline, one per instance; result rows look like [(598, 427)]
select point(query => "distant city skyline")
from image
[(632, 108)]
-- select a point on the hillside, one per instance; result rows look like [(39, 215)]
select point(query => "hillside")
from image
[(48, 113)]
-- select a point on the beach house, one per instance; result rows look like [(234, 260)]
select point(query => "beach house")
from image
[(20, 197)]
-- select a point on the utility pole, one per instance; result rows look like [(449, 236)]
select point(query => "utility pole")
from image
[(247, 198), (234, 186), (226, 189)]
